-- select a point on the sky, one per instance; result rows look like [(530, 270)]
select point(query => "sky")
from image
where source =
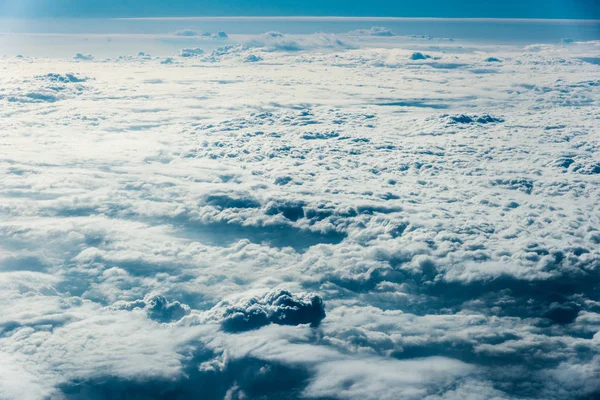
[(554, 9)]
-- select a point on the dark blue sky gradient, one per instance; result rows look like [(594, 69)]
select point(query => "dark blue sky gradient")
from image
[(554, 9)]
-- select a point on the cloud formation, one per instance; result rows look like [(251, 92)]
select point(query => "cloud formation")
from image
[(279, 307), (299, 218)]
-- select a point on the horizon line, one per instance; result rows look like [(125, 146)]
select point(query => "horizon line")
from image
[(353, 18)]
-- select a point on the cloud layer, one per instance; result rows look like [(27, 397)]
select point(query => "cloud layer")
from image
[(296, 217)]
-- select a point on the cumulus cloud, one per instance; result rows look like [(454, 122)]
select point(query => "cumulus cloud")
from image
[(252, 58), (419, 56), (47, 88), (157, 307), (193, 33), (191, 52), (83, 57), (66, 78), (470, 119), (278, 307)]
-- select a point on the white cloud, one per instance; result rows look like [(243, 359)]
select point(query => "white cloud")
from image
[(384, 379)]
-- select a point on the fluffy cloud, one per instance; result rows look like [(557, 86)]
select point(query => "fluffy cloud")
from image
[(279, 307), (157, 307), (191, 52)]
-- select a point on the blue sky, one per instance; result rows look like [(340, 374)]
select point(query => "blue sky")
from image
[(578, 9)]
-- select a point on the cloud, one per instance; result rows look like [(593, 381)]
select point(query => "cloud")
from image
[(191, 52), (83, 57), (66, 78), (276, 41), (383, 379), (47, 88), (419, 56), (373, 31), (157, 307), (252, 58), (278, 307), (190, 32), (193, 33), (468, 119)]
